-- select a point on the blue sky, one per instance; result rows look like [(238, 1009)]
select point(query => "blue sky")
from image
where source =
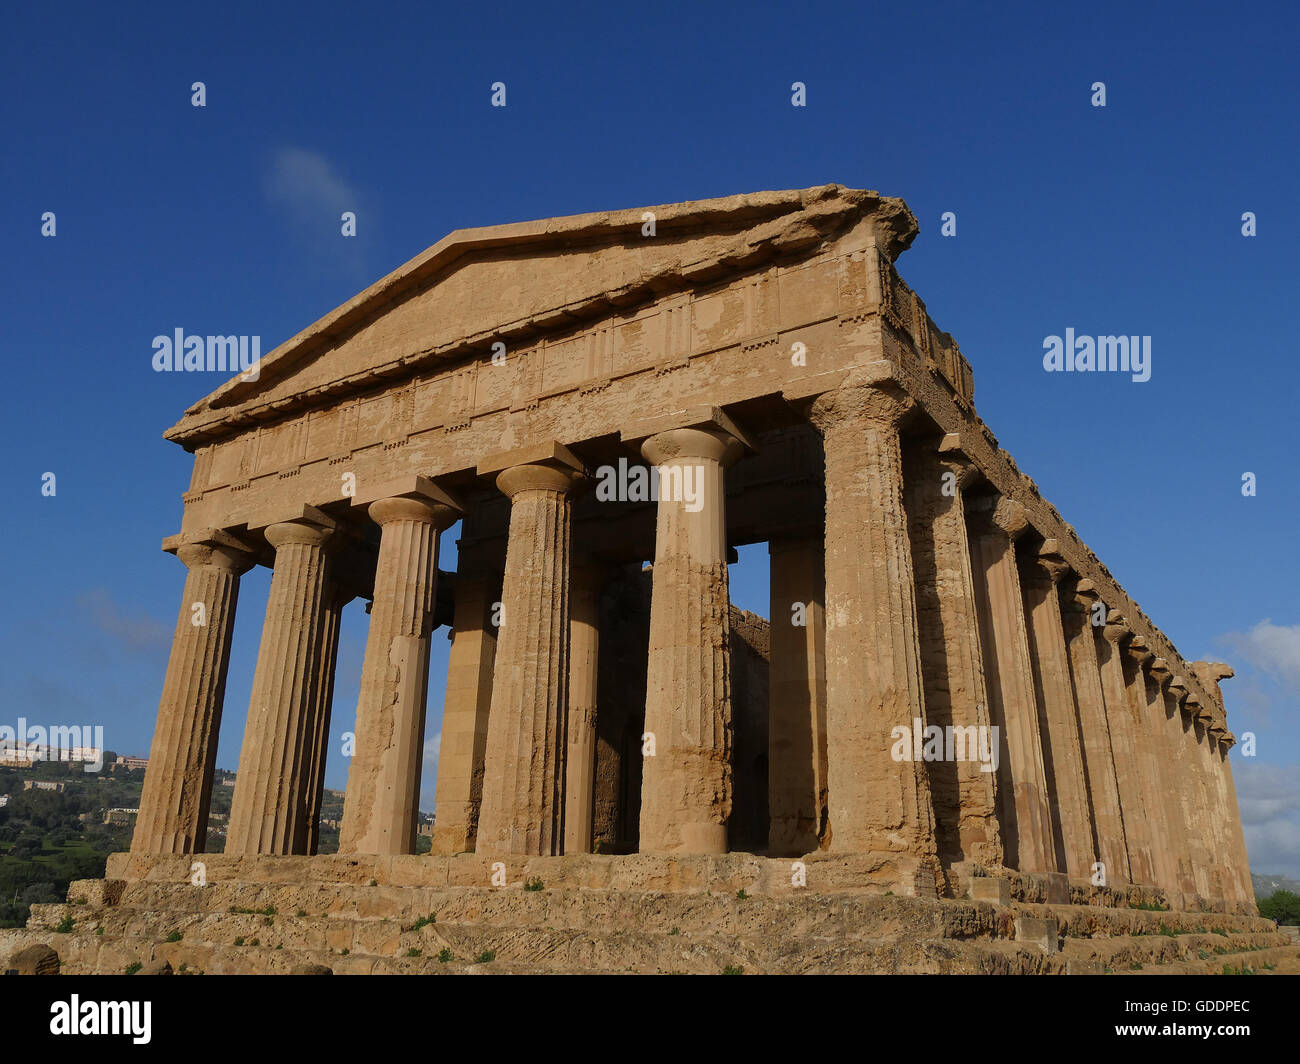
[(224, 219)]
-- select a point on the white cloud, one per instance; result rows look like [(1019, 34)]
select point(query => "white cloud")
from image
[(137, 633), (306, 183), (1269, 799), (1271, 648)]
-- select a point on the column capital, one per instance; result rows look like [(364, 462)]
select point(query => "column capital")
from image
[(410, 498), (954, 457), (312, 528), (1138, 649), (697, 432), (1047, 562), (1000, 513), (1117, 629), (547, 466), (883, 402), (213, 547)]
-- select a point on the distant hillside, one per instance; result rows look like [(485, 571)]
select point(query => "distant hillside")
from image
[(1267, 885)]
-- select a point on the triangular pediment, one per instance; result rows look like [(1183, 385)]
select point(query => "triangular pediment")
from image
[(507, 283)]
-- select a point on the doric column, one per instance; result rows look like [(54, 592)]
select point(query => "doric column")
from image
[(1245, 891), (686, 786), (1129, 767), (584, 657), (268, 813), (1211, 816), (383, 792), (1172, 751), (796, 763), (178, 782), (873, 672), (459, 792), (1026, 813), (337, 595), (1080, 609), (523, 769), (1192, 794), (1149, 754), (1041, 572), (952, 665), (1242, 893)]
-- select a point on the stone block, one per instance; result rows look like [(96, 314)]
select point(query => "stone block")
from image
[(1038, 931), (989, 888)]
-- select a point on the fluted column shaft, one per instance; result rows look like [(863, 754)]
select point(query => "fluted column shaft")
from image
[(177, 788), (1062, 746), (873, 671), (1178, 752), (321, 709), (1111, 843), (1124, 745), (584, 658), (796, 763), (1152, 763), (523, 776), (465, 716), (1026, 814), (268, 813), (952, 663), (1212, 822), (1244, 893), (686, 787), (382, 800)]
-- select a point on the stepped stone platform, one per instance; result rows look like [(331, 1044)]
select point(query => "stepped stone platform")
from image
[(732, 913)]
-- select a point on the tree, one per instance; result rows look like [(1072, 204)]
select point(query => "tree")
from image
[(1282, 906)]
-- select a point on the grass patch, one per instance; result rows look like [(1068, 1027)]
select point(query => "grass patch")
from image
[(133, 967), (486, 957), (533, 884)]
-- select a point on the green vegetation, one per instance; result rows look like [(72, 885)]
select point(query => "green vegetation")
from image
[(741, 895), (49, 838), (413, 952), (486, 957), (133, 967), (444, 955), (1282, 906), (175, 936), (533, 884), (424, 921), (733, 969)]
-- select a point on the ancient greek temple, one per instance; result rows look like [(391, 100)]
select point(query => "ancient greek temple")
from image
[(610, 405)]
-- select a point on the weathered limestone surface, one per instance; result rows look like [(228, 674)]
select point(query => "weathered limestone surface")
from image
[(384, 779), (178, 783), (523, 780), (465, 716), (1041, 572), (686, 783), (873, 673), (952, 665), (797, 685), (1025, 810), (584, 678), (1079, 611), (274, 789), (1129, 762), (637, 709)]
